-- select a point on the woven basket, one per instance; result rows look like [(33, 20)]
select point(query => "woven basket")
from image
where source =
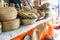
[(28, 21), (7, 13), (11, 25), (27, 15)]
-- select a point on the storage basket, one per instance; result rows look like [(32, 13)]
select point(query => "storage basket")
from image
[(11, 25), (7, 13), (28, 21)]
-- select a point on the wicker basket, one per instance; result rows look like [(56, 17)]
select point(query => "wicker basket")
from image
[(27, 15), (7, 13), (11, 25), (28, 21)]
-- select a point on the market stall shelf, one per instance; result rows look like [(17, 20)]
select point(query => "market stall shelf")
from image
[(22, 29)]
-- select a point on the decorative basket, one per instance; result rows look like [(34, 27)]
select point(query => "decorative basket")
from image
[(7, 13), (28, 21), (11, 25)]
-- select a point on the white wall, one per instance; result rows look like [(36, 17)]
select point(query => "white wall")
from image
[(53, 2), (59, 6), (54, 7)]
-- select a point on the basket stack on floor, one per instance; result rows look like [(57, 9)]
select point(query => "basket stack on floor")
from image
[(8, 18)]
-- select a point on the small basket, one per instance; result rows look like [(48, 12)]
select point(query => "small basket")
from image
[(11, 25), (28, 21)]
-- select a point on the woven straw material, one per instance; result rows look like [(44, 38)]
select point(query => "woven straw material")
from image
[(7, 13), (11, 25), (28, 21)]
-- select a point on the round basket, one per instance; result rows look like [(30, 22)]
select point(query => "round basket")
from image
[(28, 21), (7, 13), (11, 25)]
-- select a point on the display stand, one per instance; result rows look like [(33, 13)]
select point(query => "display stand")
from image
[(22, 29)]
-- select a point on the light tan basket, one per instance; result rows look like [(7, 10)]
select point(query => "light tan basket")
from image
[(27, 15), (11, 25), (28, 21), (7, 13)]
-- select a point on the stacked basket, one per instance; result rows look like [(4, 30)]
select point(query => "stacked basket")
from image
[(8, 19)]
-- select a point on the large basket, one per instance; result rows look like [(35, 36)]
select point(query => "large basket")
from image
[(7, 13), (28, 21), (11, 25)]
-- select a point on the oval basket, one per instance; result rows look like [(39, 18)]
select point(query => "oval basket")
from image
[(11, 25), (28, 21), (7, 13)]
